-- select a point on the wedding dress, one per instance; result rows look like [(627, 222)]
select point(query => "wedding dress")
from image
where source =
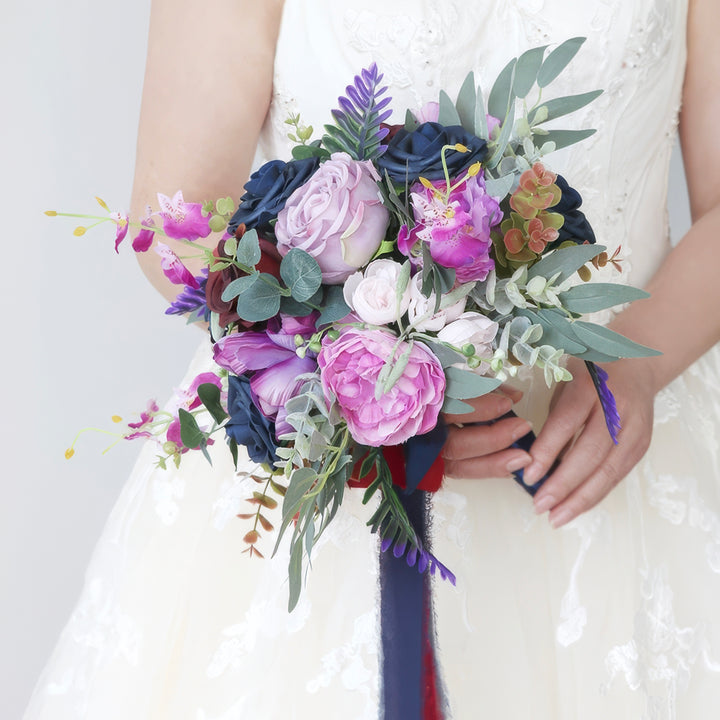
[(615, 615)]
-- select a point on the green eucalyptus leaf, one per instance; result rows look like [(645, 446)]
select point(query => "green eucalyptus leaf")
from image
[(209, 395), (504, 138), (526, 71), (232, 444), (239, 286), (301, 274), (481, 126), (260, 301), (301, 481), (558, 107), (248, 251), (302, 152), (558, 60), (335, 308), (463, 384), (225, 206), (466, 103), (564, 138), (501, 186), (190, 433), (501, 93), (445, 355), (295, 575), (591, 297), (290, 306), (217, 223), (456, 407), (557, 329), (447, 115), (565, 261), (608, 342)]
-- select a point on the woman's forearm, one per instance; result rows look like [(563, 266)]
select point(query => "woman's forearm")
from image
[(682, 316), (208, 84)]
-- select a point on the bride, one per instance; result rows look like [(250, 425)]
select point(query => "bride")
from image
[(597, 601)]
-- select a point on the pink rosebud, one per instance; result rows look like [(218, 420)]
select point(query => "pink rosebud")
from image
[(181, 220), (349, 369), (429, 112), (173, 268), (336, 216)]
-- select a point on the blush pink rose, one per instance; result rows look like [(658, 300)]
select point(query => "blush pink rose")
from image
[(336, 216), (349, 368)]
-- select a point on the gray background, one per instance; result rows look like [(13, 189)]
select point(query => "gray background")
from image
[(85, 335)]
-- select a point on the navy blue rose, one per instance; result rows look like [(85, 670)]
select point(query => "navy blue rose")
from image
[(247, 425), (410, 155), (268, 189), (576, 226)]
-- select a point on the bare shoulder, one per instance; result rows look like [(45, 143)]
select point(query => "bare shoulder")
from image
[(701, 107)]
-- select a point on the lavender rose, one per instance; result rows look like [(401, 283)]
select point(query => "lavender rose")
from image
[(349, 368), (336, 216)]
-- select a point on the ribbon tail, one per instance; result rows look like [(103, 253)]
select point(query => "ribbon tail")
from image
[(410, 683)]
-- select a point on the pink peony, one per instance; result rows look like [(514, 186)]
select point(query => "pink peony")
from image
[(336, 216), (456, 228), (349, 368)]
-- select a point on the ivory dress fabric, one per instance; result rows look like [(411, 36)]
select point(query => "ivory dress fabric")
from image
[(616, 615)]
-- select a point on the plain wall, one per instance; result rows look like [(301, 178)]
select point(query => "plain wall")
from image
[(84, 334)]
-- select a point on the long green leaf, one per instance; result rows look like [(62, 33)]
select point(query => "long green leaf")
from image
[(591, 297), (607, 341), (501, 93), (563, 138), (558, 107), (481, 126), (463, 384), (558, 60), (447, 115), (526, 72), (557, 330), (466, 103), (565, 261)]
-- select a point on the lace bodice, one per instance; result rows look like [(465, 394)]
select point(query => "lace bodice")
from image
[(635, 52)]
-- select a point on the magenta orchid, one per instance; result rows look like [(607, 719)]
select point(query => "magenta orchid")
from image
[(173, 267), (181, 220), (455, 226), (122, 226)]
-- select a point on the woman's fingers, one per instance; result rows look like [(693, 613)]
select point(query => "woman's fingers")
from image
[(478, 440), (565, 419), (485, 408), (498, 464), (579, 463)]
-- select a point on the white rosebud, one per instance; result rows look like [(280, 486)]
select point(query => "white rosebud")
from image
[(474, 329), (373, 296), (420, 307)]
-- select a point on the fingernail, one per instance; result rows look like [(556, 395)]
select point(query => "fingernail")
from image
[(517, 462), (544, 503), (561, 517), (521, 430), (532, 473)]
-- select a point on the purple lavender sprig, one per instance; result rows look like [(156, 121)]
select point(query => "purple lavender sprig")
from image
[(191, 301), (358, 130), (607, 399)]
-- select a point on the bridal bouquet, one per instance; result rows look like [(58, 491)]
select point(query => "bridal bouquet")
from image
[(382, 276)]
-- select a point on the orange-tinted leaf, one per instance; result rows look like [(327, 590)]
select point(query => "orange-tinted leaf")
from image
[(251, 537), (267, 525)]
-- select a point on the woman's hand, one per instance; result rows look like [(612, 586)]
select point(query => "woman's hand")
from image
[(591, 464), (482, 451)]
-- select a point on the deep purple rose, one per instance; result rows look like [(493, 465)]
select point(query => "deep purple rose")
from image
[(418, 153), (267, 190)]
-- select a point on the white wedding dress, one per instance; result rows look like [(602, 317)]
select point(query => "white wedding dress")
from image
[(616, 615)]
